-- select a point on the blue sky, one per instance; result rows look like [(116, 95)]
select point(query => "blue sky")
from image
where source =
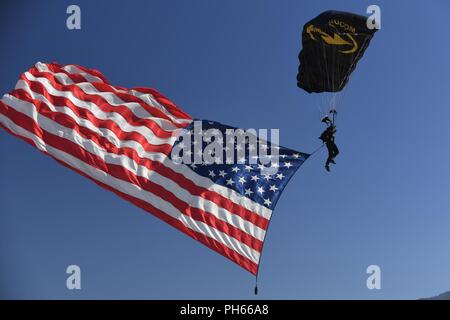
[(386, 201)]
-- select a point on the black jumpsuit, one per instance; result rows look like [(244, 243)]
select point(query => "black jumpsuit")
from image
[(328, 138)]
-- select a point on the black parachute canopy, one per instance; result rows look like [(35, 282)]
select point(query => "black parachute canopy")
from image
[(333, 42)]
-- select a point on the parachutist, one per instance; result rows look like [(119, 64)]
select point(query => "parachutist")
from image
[(332, 44), (327, 137)]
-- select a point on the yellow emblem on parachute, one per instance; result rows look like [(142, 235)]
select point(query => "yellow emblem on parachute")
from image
[(335, 40)]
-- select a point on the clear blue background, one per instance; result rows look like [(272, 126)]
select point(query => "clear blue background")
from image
[(386, 202)]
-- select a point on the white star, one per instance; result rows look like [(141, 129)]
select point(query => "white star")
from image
[(260, 190), (211, 173), (280, 176), (296, 155), (248, 168), (193, 166), (241, 160), (275, 165), (267, 202), (242, 180), (255, 178), (230, 182), (235, 169), (283, 156), (261, 167), (267, 177), (288, 164), (273, 188), (229, 160), (248, 192), (222, 173)]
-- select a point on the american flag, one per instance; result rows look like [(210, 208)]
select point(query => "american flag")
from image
[(122, 140)]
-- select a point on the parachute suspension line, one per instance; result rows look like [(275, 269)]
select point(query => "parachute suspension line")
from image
[(321, 102), (328, 100), (333, 100)]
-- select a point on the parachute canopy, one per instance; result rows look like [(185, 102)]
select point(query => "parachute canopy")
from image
[(333, 42)]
